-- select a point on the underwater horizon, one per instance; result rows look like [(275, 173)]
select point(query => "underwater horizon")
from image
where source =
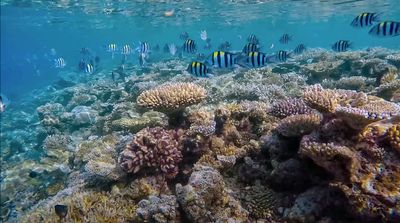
[(200, 111)]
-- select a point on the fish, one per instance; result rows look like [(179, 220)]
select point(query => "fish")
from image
[(386, 29), (61, 210), (189, 46), (299, 49), (4, 102), (282, 56), (225, 46), (166, 48), (143, 48), (89, 69), (198, 69), (82, 65), (59, 63), (341, 46), (126, 50), (222, 59), (250, 47), (252, 39), (184, 36), (203, 35), (156, 48), (365, 19), (253, 59), (172, 49), (285, 38), (112, 48)]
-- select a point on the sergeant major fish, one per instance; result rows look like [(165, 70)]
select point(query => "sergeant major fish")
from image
[(386, 29), (250, 47), (59, 63), (198, 69), (299, 49), (365, 19), (341, 46), (189, 46), (222, 59), (285, 38), (254, 59)]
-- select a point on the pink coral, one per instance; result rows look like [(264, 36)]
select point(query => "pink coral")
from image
[(155, 148)]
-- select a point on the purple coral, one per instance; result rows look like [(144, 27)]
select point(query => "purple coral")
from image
[(155, 148), (288, 107)]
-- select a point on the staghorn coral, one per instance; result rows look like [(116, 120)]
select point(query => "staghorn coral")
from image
[(288, 107), (171, 97), (318, 98), (154, 148), (298, 125), (205, 198), (393, 136), (84, 206), (155, 209)]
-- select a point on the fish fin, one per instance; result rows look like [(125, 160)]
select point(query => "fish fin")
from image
[(241, 60)]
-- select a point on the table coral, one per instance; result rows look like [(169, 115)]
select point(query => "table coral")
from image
[(172, 97)]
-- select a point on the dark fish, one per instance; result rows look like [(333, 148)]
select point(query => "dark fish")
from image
[(285, 38), (222, 59), (61, 210), (253, 59), (33, 174), (251, 47), (189, 46), (198, 69), (166, 48), (282, 55), (184, 36), (365, 19), (386, 29), (252, 39), (299, 49), (81, 65), (341, 46), (225, 46)]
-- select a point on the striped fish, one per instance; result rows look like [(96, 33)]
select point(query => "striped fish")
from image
[(222, 59), (59, 63), (285, 38), (365, 19), (250, 47), (299, 49), (198, 69), (126, 50), (252, 39), (253, 59), (144, 48), (341, 46), (386, 29), (112, 48), (89, 69), (282, 56), (189, 46)]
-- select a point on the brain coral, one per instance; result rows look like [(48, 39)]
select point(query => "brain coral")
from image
[(172, 97), (155, 148)]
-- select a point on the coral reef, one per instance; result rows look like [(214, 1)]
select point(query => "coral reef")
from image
[(172, 97), (161, 209), (298, 125), (154, 148)]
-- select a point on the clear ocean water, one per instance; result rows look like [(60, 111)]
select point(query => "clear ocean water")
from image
[(36, 32)]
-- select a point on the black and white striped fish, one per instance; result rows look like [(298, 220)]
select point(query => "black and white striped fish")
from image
[(365, 19), (280, 56), (89, 69), (59, 63), (143, 48), (253, 39), (299, 49), (198, 69), (386, 29), (250, 47), (341, 46), (189, 46), (222, 59), (253, 59), (126, 50), (285, 38)]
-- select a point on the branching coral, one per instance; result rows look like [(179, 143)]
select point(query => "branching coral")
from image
[(288, 107), (298, 125), (155, 148), (324, 100), (172, 97)]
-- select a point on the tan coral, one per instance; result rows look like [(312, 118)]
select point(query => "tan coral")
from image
[(298, 125), (394, 136), (171, 97), (322, 100)]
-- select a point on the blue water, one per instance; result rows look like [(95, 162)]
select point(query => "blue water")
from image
[(30, 29)]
